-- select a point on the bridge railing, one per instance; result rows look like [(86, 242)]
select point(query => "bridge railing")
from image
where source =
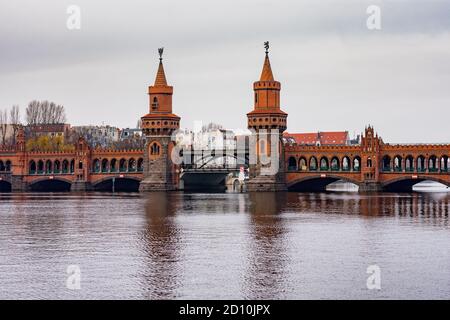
[(46, 172), (412, 170), (114, 170), (323, 169)]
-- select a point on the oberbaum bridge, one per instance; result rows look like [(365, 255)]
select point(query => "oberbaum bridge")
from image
[(372, 164)]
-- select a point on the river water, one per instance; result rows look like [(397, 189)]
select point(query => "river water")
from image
[(224, 246)]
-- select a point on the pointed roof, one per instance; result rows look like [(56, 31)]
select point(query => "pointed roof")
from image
[(266, 74), (160, 76)]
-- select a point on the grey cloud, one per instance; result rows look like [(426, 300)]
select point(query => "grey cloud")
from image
[(335, 73)]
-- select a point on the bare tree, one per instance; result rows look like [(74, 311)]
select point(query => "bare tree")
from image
[(33, 112), (14, 119), (45, 112), (3, 125)]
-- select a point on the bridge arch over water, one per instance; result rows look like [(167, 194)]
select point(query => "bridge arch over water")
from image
[(117, 184), (204, 180), (317, 183), (406, 184), (50, 184), (5, 186)]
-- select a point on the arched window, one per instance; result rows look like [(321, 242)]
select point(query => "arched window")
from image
[(113, 165), (155, 149), (96, 165), (313, 163), (131, 165), (32, 167), (398, 163), (444, 163), (357, 164), (140, 165), (409, 164), (105, 165), (421, 164), (346, 164), (2, 166), (433, 164), (292, 164), (335, 164), (262, 146), (40, 167), (302, 164), (57, 166), (386, 164), (324, 164), (48, 166), (369, 163), (155, 104), (122, 165), (65, 166), (72, 166), (8, 166)]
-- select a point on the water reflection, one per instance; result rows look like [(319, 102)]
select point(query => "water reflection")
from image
[(265, 275), (372, 205), (161, 245), (206, 246)]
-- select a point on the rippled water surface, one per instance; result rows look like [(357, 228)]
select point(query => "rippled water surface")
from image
[(214, 246)]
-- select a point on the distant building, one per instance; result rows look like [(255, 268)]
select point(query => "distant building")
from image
[(101, 136), (52, 130), (320, 138), (130, 133)]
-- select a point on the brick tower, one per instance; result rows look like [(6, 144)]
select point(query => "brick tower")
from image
[(158, 126), (267, 122), (370, 160)]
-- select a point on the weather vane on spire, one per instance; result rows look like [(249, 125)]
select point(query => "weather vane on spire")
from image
[(160, 51), (266, 46)]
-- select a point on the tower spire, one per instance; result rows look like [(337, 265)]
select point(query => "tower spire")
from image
[(266, 74), (158, 126), (267, 122), (267, 112), (160, 79)]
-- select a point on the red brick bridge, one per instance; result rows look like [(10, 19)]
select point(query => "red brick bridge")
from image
[(372, 165), (83, 169)]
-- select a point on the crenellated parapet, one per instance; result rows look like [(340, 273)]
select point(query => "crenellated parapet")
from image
[(116, 151)]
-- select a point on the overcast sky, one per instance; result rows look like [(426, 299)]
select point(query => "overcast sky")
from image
[(335, 73)]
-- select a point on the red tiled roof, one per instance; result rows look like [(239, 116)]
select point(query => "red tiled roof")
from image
[(303, 138), (339, 137), (160, 80), (266, 74), (324, 138), (161, 115), (267, 111)]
